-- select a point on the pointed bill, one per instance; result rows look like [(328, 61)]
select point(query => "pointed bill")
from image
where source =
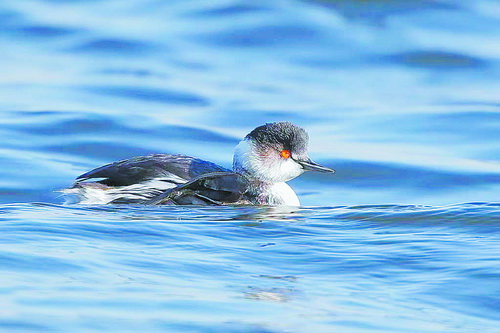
[(313, 166)]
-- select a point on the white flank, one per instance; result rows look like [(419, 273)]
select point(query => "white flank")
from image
[(95, 195)]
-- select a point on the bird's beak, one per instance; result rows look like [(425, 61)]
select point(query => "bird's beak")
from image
[(313, 166)]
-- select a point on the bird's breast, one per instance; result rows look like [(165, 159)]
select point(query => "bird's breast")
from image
[(281, 194)]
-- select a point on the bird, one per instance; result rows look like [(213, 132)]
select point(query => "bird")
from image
[(263, 161)]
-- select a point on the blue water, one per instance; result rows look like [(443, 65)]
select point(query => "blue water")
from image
[(400, 97)]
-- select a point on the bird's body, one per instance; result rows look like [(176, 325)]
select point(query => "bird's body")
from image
[(268, 157)]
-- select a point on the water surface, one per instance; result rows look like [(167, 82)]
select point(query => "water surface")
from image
[(352, 269), (400, 97)]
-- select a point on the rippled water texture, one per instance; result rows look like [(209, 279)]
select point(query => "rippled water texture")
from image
[(346, 269), (400, 97)]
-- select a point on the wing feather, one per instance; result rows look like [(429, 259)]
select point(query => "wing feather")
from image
[(215, 188)]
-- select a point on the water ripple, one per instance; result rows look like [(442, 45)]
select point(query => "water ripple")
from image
[(400, 97), (316, 262), (151, 94), (437, 60), (116, 46), (45, 31)]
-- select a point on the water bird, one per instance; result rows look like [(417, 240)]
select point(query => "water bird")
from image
[(263, 162)]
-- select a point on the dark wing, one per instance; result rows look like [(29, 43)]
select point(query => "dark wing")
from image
[(139, 169), (215, 188)]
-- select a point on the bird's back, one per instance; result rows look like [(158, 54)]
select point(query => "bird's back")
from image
[(139, 179)]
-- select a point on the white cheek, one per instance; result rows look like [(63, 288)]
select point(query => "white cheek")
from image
[(281, 170), (289, 170), (244, 158), (274, 169)]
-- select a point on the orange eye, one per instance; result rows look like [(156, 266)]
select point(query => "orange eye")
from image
[(285, 153)]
